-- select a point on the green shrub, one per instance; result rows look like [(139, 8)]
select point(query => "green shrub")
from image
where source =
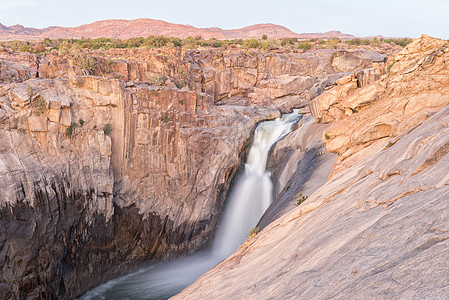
[(375, 42), (300, 198), (331, 44), (401, 42), (165, 117), (81, 122), (304, 45), (85, 62), (354, 42), (70, 130), (110, 66), (288, 41), (107, 129), (156, 80), (264, 45), (251, 43), (39, 106), (389, 67), (253, 232)]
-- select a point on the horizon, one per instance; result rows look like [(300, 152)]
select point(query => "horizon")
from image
[(348, 16)]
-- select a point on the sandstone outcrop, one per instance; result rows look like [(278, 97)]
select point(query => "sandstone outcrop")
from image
[(377, 228)]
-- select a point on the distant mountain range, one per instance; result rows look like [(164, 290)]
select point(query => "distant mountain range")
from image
[(125, 29)]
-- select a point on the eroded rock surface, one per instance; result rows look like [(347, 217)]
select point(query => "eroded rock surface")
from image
[(414, 89), (378, 228), (99, 174), (149, 187), (285, 78)]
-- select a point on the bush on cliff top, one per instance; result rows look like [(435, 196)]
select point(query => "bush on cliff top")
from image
[(47, 44), (85, 62)]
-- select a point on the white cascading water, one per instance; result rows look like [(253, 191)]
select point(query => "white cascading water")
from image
[(249, 199), (252, 193)]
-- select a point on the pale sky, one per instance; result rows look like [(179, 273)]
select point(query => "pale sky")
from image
[(391, 18)]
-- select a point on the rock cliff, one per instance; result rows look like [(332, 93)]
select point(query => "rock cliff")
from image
[(98, 172), (101, 173), (377, 228)]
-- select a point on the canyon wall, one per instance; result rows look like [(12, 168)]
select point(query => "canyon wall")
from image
[(378, 227), (102, 173)]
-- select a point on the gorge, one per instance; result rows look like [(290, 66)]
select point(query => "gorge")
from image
[(130, 162), (250, 198)]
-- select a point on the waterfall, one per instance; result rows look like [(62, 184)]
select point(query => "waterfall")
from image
[(249, 199), (252, 193)]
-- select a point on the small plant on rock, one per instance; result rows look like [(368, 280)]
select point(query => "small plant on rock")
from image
[(86, 63), (110, 66), (252, 233), (390, 66), (30, 91), (300, 198), (156, 80), (70, 130), (165, 117), (179, 84), (107, 129), (39, 106)]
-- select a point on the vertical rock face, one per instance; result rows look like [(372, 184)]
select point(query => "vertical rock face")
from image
[(99, 174), (93, 173), (380, 222)]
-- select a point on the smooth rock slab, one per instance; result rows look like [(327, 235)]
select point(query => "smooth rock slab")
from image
[(377, 230)]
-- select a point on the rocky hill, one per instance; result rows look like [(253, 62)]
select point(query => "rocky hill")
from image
[(125, 29), (378, 228)]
